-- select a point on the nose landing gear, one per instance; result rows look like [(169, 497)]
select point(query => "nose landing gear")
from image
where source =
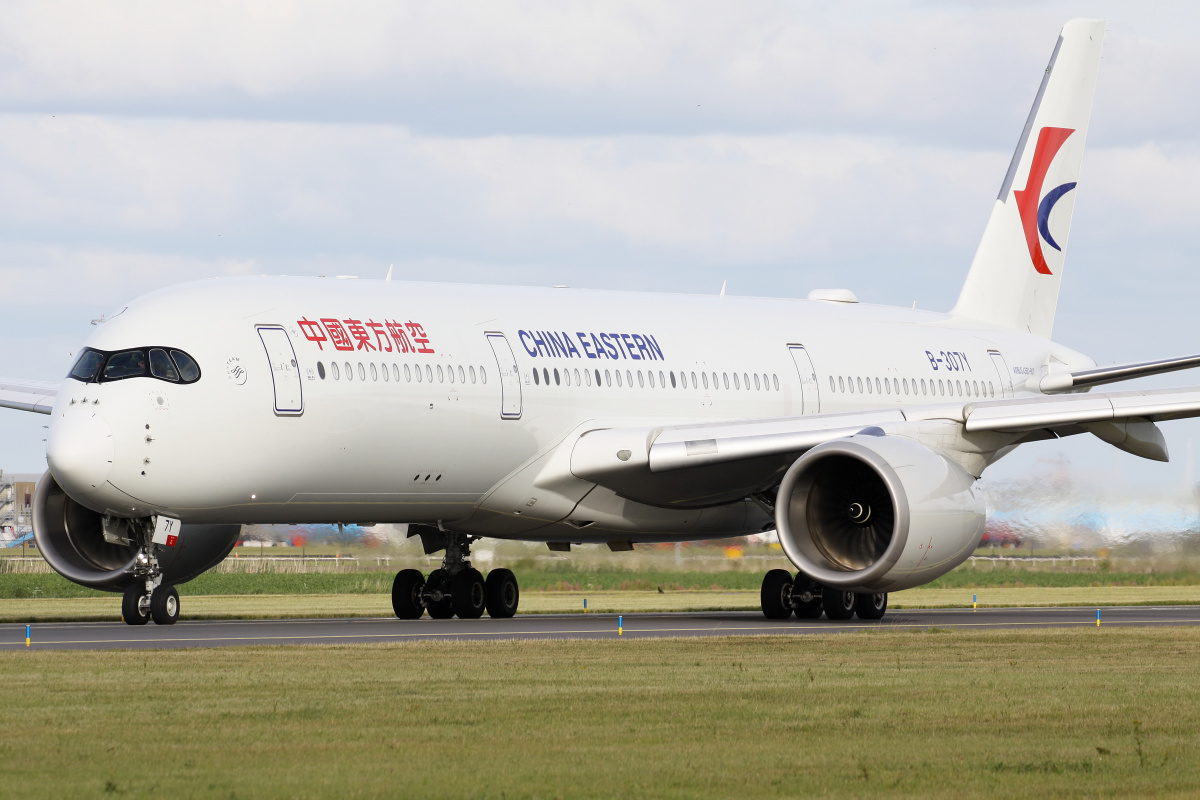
[(148, 598), (456, 588), (782, 595)]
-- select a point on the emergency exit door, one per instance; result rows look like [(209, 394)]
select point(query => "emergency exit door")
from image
[(510, 378), (810, 390), (285, 372), (1006, 381)]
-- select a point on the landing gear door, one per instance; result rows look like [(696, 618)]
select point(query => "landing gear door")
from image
[(810, 390), (285, 372), (510, 378), (1001, 366)]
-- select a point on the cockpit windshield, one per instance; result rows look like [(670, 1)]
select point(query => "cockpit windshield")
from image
[(87, 367), (163, 363)]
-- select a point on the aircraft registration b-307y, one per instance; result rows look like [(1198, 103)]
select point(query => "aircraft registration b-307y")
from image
[(858, 432)]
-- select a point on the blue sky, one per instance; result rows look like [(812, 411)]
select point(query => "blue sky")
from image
[(658, 146)]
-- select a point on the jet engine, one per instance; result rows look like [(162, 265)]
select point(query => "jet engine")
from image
[(876, 513), (84, 547)]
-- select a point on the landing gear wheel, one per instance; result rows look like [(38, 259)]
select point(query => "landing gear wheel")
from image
[(135, 605), (502, 593), (776, 594), (838, 604), (406, 594), (439, 607), (467, 595), (164, 605), (803, 586), (870, 606)]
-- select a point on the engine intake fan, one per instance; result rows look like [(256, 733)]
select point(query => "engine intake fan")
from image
[(877, 513)]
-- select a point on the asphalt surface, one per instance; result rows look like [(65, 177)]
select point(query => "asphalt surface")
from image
[(224, 633)]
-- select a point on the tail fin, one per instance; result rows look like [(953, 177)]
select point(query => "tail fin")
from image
[(1015, 277)]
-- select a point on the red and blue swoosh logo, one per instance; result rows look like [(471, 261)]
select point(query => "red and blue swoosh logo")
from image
[(1033, 206)]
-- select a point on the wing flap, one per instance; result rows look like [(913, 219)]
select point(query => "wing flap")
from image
[(1026, 414), (35, 396)]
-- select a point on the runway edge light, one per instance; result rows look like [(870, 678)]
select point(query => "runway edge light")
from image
[(620, 626), (27, 635)]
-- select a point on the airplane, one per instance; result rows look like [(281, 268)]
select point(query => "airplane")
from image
[(858, 432)]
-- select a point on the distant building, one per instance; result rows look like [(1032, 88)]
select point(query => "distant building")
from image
[(16, 509)]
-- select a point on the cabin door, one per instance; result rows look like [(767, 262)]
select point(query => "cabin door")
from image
[(510, 378), (285, 373), (810, 390), (1001, 366)]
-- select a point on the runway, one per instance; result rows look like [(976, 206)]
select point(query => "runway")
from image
[(226, 633)]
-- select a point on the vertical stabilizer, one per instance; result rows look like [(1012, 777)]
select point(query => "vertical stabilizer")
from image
[(1017, 270)]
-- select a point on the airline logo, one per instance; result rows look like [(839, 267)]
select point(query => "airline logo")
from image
[(1035, 207)]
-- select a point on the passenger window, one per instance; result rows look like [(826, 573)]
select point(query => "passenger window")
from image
[(629, 378), (161, 366), (587, 376), (870, 390), (537, 378), (567, 377), (386, 374), (462, 376), (333, 367), (546, 375), (597, 378), (607, 378), (362, 373), (757, 385), (321, 370), (704, 375), (832, 388), (695, 383), (374, 373), (860, 386), (841, 384), (557, 380), (349, 372), (619, 378), (407, 374), (472, 371), (450, 374), (577, 381), (673, 380), (641, 383), (737, 384), (395, 373), (877, 389), (650, 375), (482, 375)]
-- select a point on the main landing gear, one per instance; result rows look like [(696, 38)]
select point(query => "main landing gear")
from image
[(456, 588), (782, 595)]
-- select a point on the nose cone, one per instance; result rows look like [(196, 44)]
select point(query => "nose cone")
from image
[(80, 452)]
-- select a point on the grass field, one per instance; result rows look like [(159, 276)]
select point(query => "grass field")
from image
[(1079, 713), (282, 606), (44, 585)]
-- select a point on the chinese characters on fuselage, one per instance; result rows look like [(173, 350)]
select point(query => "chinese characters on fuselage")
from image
[(354, 334)]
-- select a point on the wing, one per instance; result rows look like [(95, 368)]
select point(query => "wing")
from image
[(36, 396), (704, 464)]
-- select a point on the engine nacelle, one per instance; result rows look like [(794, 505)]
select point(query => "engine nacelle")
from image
[(877, 514), (71, 538)]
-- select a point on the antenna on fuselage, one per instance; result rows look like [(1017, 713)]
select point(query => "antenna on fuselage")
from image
[(723, 288), (388, 279)]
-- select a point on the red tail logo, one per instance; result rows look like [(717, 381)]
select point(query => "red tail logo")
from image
[(1033, 208)]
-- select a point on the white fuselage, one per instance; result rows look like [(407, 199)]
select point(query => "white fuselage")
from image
[(440, 431)]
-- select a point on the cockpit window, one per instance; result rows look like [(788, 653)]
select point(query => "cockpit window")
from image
[(161, 366), (165, 364), (87, 366), (129, 364), (188, 369)]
